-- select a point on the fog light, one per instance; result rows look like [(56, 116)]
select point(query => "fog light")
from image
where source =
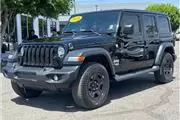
[(56, 78)]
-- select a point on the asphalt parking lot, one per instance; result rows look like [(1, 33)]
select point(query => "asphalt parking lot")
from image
[(135, 99)]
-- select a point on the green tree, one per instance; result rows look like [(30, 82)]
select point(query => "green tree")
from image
[(48, 8), (171, 10)]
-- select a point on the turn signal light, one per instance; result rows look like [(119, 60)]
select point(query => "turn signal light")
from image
[(77, 59), (80, 58)]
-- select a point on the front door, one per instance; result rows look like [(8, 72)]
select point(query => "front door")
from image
[(131, 50)]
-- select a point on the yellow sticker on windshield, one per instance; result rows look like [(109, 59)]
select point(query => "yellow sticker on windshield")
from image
[(75, 19)]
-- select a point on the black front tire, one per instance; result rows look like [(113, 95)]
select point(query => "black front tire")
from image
[(165, 73), (25, 92), (92, 88)]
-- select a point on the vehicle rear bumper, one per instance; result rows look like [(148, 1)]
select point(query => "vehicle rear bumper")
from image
[(41, 78)]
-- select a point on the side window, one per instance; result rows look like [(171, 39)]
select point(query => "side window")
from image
[(131, 19), (149, 24), (163, 24)]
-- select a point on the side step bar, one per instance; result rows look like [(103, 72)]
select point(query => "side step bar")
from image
[(134, 74)]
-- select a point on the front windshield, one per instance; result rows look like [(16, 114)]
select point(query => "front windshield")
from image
[(101, 22)]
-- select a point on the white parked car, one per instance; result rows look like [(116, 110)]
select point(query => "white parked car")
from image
[(177, 34)]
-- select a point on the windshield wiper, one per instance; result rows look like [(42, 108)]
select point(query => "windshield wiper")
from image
[(109, 33), (69, 32), (91, 30), (72, 32)]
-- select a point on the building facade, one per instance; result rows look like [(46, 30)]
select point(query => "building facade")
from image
[(42, 26)]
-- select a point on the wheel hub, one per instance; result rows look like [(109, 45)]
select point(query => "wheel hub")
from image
[(168, 69), (95, 86)]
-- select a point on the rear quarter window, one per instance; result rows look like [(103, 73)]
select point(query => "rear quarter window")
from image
[(163, 24)]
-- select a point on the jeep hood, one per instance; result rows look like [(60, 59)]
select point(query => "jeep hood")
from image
[(78, 41)]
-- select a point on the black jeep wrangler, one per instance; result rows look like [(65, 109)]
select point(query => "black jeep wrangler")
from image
[(94, 49)]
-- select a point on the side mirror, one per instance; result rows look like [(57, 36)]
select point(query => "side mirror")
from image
[(128, 29)]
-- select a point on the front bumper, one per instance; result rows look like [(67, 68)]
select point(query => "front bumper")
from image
[(41, 78)]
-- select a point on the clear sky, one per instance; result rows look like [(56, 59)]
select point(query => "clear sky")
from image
[(175, 2)]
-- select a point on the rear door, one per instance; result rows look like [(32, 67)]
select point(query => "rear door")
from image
[(151, 37)]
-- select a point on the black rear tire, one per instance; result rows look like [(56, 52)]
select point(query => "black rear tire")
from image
[(92, 88), (25, 92), (165, 73)]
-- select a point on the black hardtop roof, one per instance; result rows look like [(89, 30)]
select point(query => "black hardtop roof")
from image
[(128, 10)]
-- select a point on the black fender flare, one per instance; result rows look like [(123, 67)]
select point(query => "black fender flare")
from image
[(161, 51), (87, 52)]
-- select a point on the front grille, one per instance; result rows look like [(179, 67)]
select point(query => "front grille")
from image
[(39, 55)]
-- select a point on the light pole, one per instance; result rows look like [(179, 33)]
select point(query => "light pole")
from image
[(96, 7), (74, 4)]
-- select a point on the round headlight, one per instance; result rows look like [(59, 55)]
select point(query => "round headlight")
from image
[(61, 52), (22, 51)]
